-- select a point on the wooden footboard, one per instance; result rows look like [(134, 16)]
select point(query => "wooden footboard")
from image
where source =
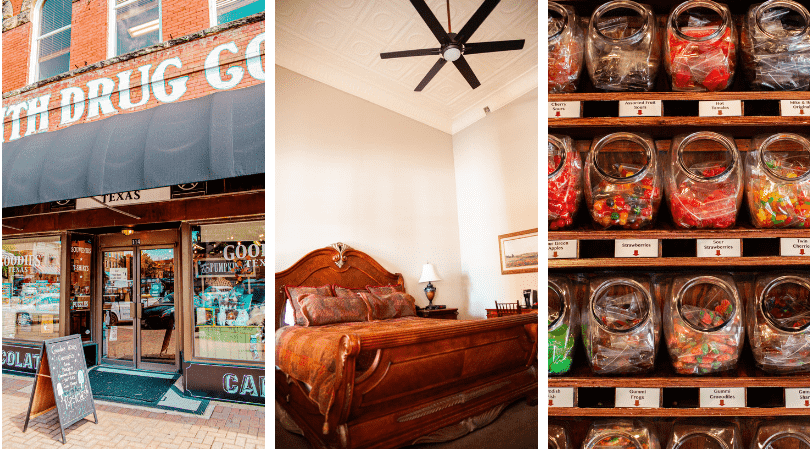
[(419, 382)]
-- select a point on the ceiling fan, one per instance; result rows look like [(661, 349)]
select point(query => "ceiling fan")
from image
[(454, 45)]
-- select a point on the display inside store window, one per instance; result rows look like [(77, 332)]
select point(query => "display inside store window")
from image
[(775, 40), (229, 291), (31, 276), (620, 433), (564, 182), (566, 45), (563, 324), (81, 251)]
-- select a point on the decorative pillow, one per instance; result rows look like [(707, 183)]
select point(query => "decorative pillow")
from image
[(341, 291), (390, 306), (386, 290), (294, 292), (320, 310)]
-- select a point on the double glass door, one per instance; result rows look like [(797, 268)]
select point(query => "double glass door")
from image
[(138, 307)]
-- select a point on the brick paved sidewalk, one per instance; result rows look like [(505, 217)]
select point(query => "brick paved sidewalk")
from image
[(224, 425)]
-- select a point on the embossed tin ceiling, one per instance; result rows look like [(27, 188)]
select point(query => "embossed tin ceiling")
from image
[(338, 42)]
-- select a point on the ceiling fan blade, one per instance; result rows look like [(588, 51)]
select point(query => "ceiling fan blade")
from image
[(403, 53), (432, 22), (466, 71), (476, 20), (432, 73), (493, 46)]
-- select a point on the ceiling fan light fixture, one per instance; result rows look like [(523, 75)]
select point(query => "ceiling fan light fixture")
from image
[(451, 54)]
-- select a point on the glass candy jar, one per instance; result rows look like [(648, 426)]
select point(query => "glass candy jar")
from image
[(779, 323), (696, 433), (775, 40), (700, 50), (558, 436), (620, 433), (620, 325), (562, 324), (704, 180), (794, 433), (623, 47), (703, 324), (566, 48), (623, 184), (564, 182), (778, 181)]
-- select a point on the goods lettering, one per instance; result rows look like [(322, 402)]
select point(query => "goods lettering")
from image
[(231, 252)]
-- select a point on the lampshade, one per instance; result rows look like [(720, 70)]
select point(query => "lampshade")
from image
[(429, 274)]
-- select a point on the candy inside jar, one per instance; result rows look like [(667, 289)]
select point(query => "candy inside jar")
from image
[(704, 180), (703, 324), (562, 325), (779, 325), (620, 434), (779, 181), (623, 184), (564, 182), (701, 46), (566, 46)]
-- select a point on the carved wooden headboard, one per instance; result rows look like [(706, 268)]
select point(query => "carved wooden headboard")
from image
[(337, 264)]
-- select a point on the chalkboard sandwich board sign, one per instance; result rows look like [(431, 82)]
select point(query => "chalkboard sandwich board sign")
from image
[(62, 382)]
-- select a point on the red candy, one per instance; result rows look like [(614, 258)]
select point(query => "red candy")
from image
[(564, 190)]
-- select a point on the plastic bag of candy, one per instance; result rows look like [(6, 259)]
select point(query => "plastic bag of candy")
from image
[(564, 182), (566, 48), (782, 433), (779, 322), (778, 181), (620, 325), (620, 433), (563, 324), (703, 324), (696, 433)]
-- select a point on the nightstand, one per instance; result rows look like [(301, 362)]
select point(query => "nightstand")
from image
[(446, 314)]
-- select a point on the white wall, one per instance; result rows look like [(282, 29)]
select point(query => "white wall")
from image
[(353, 172), (496, 180)]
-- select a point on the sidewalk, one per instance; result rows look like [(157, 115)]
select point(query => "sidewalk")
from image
[(224, 425)]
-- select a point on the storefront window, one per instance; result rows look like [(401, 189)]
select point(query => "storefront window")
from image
[(81, 250), (31, 288), (229, 291)]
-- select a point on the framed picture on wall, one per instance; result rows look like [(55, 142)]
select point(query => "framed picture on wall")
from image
[(518, 252)]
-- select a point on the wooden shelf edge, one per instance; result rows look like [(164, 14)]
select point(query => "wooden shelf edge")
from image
[(675, 412), (748, 261), (646, 122), (676, 233), (800, 381), (728, 95)]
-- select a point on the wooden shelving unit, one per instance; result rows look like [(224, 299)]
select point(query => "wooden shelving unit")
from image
[(677, 247)]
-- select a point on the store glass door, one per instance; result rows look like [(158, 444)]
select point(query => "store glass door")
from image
[(138, 307)]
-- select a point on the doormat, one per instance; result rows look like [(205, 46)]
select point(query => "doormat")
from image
[(143, 388)]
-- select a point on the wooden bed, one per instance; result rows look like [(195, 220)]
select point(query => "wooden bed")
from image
[(426, 386)]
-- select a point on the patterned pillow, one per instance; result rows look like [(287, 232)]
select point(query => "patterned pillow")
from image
[(390, 306), (341, 291), (320, 310), (294, 292), (386, 290)]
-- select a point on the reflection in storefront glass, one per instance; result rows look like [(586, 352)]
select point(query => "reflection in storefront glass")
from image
[(229, 291), (81, 251), (31, 273)]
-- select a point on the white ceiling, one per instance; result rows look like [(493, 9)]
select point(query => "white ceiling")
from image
[(338, 42)]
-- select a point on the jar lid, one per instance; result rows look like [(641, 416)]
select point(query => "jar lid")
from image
[(704, 164), (557, 305), (556, 156), (785, 303), (782, 19), (618, 35), (787, 439), (556, 25), (707, 303), (699, 439), (625, 164), (786, 157), (621, 305), (679, 14)]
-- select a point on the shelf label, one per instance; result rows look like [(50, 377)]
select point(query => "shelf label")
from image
[(797, 398), (638, 398), (722, 397), (794, 247), (715, 108), (714, 248), (564, 110), (640, 108), (794, 108), (562, 249), (636, 248), (561, 397)]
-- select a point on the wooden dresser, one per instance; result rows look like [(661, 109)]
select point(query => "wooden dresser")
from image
[(494, 312)]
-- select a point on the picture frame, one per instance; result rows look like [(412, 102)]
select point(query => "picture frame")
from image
[(519, 252)]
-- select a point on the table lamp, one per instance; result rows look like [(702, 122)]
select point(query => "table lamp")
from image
[(428, 275)]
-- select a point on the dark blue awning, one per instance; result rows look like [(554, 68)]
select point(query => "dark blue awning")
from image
[(209, 138)]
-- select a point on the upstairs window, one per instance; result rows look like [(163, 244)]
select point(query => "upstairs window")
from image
[(53, 40), (229, 10), (137, 25)]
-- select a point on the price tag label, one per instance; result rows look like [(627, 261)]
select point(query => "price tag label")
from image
[(794, 247), (797, 398), (640, 108), (718, 248), (716, 108), (636, 248), (638, 398), (562, 249), (794, 108), (722, 397), (564, 110), (561, 397)]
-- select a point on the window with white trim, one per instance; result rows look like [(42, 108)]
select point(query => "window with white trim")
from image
[(136, 25), (230, 10), (53, 40)]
